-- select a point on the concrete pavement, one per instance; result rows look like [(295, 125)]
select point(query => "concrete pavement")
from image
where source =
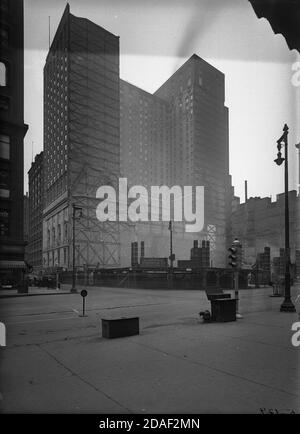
[(57, 361)]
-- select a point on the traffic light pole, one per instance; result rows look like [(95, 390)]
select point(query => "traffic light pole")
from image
[(74, 209), (236, 262), (236, 292)]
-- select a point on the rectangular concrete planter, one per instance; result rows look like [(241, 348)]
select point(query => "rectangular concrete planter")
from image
[(120, 327)]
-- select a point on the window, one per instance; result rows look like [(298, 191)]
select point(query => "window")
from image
[(4, 103), (4, 5), (4, 147), (3, 74), (4, 36), (4, 193), (4, 178), (4, 222)]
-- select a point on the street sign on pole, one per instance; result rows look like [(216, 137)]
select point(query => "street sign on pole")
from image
[(83, 294)]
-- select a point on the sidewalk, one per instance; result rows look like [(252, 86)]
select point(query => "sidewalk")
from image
[(33, 290), (59, 362)]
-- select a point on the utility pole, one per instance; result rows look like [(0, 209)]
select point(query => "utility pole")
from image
[(172, 256), (298, 147), (74, 209)]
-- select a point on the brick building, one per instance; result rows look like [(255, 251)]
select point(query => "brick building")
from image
[(36, 202)]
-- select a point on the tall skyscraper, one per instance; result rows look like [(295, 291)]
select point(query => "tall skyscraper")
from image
[(12, 132), (200, 143), (81, 142), (179, 136)]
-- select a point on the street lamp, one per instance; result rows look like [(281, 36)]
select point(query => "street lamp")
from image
[(287, 305), (172, 255), (74, 209)]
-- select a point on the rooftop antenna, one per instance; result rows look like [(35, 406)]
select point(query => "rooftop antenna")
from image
[(32, 151)]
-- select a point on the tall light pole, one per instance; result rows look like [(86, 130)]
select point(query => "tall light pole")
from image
[(298, 147), (74, 209), (172, 256), (287, 305)]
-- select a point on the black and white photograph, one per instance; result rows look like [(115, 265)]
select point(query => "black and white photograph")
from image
[(150, 210)]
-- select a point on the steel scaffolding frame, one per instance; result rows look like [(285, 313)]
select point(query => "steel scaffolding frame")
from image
[(94, 139)]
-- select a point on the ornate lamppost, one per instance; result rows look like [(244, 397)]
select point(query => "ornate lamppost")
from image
[(287, 305)]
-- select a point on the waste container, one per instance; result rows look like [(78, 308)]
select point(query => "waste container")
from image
[(223, 309), (121, 327)]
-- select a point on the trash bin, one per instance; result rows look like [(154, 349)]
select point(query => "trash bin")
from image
[(121, 327), (223, 309)]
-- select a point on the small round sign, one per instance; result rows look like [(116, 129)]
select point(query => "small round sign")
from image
[(83, 293)]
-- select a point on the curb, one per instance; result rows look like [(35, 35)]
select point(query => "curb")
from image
[(34, 294)]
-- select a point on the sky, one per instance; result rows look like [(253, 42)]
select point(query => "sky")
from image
[(156, 38)]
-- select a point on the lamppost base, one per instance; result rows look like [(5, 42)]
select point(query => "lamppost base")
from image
[(74, 290), (287, 306)]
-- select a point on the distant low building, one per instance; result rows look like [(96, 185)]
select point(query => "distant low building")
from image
[(260, 223)]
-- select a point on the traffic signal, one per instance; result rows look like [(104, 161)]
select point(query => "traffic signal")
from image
[(235, 257)]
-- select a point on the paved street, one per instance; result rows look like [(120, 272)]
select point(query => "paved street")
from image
[(57, 361)]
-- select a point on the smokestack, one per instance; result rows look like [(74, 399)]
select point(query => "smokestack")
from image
[(246, 191)]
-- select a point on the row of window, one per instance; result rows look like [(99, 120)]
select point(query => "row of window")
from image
[(4, 147), (4, 222), (57, 259)]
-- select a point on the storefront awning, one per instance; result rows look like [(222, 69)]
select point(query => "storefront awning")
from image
[(12, 265)]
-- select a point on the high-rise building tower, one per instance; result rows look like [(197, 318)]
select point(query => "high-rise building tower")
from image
[(179, 136), (12, 132), (200, 145), (81, 142)]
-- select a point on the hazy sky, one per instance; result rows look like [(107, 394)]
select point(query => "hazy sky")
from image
[(156, 37)]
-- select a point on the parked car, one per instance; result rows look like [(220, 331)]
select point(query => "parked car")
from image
[(7, 284)]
